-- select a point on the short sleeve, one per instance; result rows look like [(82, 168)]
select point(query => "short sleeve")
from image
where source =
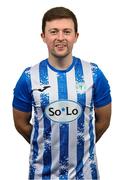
[(22, 99), (101, 90)]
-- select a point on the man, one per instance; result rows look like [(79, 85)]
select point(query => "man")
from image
[(71, 103)]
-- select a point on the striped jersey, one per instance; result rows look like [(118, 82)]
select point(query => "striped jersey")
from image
[(62, 144)]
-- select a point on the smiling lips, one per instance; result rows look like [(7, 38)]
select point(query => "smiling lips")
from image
[(60, 45)]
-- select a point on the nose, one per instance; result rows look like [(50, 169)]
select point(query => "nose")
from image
[(60, 35)]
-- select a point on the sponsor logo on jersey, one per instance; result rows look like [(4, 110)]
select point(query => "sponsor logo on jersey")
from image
[(63, 111)]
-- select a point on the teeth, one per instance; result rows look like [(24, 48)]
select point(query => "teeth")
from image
[(60, 45)]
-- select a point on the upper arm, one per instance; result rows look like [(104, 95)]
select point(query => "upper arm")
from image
[(21, 119), (22, 99), (101, 88), (103, 114), (22, 105)]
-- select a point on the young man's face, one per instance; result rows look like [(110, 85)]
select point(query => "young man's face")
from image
[(60, 36)]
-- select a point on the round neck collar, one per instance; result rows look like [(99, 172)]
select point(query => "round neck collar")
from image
[(62, 70)]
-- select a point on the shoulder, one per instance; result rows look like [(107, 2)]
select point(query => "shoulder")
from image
[(87, 65), (37, 66), (90, 68)]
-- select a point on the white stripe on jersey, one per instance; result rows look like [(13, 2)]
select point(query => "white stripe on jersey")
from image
[(39, 164), (35, 81), (72, 95), (88, 81), (55, 144), (35, 85)]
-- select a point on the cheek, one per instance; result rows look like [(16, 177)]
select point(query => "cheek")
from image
[(49, 41), (49, 44), (71, 42), (71, 39)]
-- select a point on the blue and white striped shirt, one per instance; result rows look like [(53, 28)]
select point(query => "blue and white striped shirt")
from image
[(63, 101)]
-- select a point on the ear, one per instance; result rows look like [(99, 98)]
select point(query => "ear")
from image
[(43, 37), (77, 35)]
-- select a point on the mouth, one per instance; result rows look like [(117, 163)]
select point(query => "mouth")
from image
[(60, 45)]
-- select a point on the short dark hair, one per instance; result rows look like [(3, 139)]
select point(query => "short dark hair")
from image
[(59, 13)]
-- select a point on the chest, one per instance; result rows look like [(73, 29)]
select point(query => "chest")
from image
[(62, 86)]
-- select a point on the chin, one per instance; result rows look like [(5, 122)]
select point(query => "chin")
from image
[(61, 55)]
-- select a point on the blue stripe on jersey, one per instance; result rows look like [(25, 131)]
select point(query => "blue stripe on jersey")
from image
[(64, 129), (35, 149), (93, 166), (46, 173), (80, 124)]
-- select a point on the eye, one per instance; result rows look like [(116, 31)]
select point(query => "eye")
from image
[(53, 32), (67, 32)]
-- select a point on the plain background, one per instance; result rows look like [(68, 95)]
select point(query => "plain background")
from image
[(21, 46)]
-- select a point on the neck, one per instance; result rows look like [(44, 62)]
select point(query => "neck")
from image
[(60, 63)]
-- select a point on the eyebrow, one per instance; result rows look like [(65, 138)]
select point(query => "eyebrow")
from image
[(56, 29)]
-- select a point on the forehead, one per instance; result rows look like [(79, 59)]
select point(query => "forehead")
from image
[(60, 24)]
